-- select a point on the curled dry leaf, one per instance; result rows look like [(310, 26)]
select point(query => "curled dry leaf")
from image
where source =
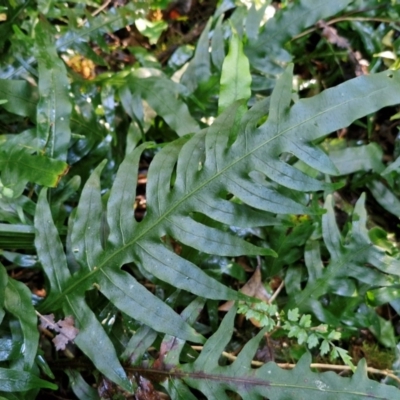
[(145, 390), (332, 36), (65, 328)]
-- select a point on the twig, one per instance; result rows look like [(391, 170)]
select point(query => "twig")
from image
[(335, 367), (277, 291), (194, 33), (341, 19), (98, 11), (44, 318)]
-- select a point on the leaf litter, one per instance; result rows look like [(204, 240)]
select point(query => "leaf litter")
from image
[(65, 328)]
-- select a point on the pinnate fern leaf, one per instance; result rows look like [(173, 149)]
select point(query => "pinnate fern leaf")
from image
[(269, 381), (193, 176)]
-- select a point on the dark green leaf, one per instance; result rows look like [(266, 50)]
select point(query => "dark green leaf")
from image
[(20, 381), (362, 158), (199, 68), (17, 301), (269, 381), (81, 389), (51, 255), (54, 107), (225, 172), (19, 167), (138, 345), (21, 97), (162, 95), (217, 45), (385, 197)]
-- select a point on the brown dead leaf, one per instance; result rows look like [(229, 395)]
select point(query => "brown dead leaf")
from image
[(64, 327), (47, 321), (106, 389), (67, 333), (146, 390), (332, 36), (244, 263), (254, 287)]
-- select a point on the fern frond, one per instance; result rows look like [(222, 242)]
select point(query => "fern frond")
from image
[(228, 158), (269, 381)]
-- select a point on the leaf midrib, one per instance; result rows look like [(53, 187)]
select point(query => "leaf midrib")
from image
[(219, 376), (108, 260)]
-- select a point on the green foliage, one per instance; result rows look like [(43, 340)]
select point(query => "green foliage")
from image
[(263, 313), (237, 163), (236, 81), (213, 380), (267, 317)]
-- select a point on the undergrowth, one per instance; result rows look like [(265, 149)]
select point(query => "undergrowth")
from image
[(163, 165)]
